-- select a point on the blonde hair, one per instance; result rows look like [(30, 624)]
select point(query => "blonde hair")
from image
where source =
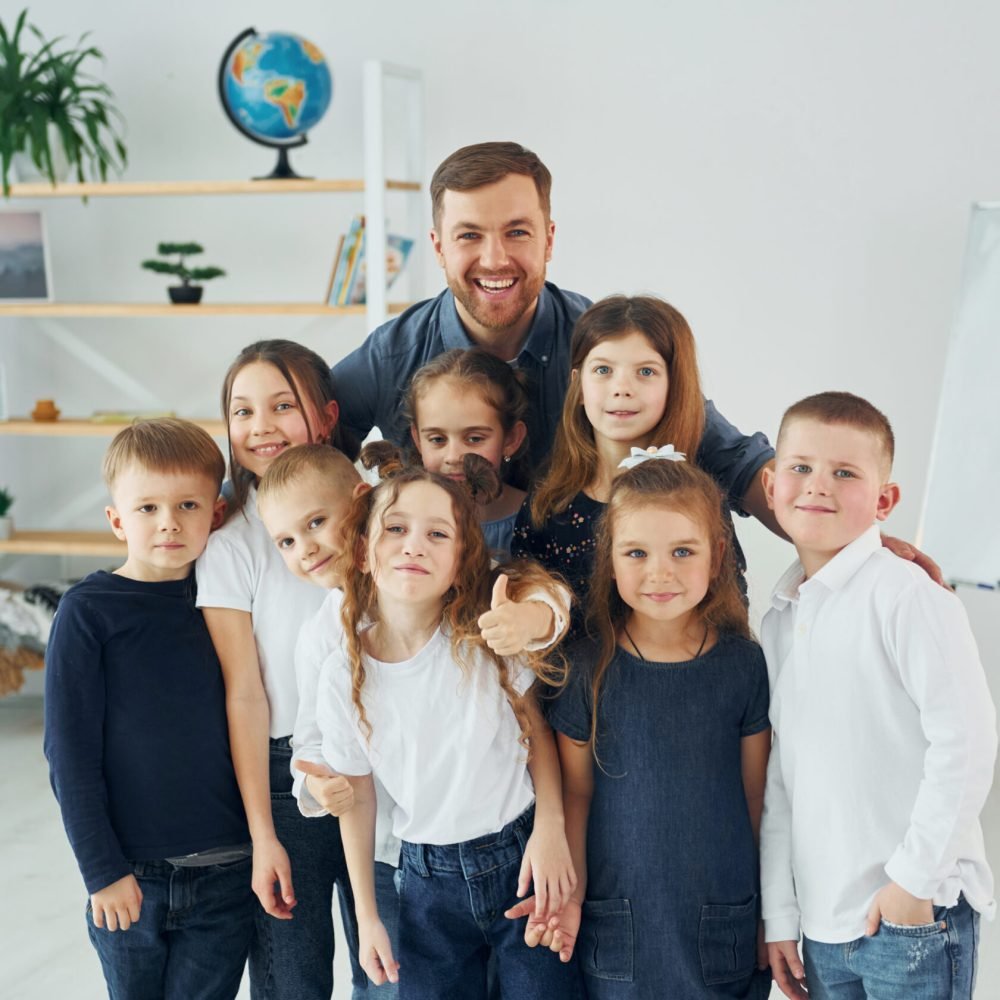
[(674, 486), (575, 464), (332, 466), (463, 603), (164, 445)]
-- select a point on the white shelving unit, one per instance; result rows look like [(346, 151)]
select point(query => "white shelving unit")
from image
[(379, 79)]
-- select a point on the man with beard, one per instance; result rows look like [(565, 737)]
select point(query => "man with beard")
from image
[(493, 236)]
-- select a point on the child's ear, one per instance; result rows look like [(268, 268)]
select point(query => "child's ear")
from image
[(767, 481), (514, 439), (115, 520), (331, 414), (361, 489), (218, 513), (888, 497)]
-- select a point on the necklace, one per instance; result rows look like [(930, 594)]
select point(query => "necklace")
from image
[(638, 651)]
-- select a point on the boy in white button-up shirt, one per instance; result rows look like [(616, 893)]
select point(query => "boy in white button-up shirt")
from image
[(884, 735)]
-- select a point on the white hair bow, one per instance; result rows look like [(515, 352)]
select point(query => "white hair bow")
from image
[(640, 455)]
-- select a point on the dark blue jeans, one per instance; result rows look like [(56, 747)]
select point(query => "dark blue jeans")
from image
[(191, 939), (293, 959), (452, 900), (935, 961)]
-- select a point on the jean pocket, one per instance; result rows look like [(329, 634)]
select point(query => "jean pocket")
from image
[(605, 944), (913, 930), (727, 941)]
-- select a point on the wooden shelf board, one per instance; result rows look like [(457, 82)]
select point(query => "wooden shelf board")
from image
[(59, 543), (81, 427), (131, 189), (117, 309)]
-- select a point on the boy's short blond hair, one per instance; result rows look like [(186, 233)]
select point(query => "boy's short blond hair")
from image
[(846, 409), (332, 466), (164, 445)]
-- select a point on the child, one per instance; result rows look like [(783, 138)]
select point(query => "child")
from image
[(884, 734), (470, 402), (635, 383), (663, 737), (276, 396), (413, 696), (135, 734), (303, 500)]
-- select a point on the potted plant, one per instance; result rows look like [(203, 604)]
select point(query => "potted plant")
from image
[(185, 292), (6, 521), (51, 108)]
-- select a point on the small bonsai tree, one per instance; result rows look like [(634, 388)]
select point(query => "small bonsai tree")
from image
[(6, 499), (180, 269)]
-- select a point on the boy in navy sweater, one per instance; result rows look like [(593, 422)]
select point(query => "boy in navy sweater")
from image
[(136, 736)]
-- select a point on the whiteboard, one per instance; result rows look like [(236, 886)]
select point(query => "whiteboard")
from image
[(960, 525)]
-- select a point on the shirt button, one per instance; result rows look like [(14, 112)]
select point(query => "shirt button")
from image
[(545, 357)]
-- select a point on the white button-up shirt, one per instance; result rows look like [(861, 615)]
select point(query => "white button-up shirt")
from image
[(884, 742)]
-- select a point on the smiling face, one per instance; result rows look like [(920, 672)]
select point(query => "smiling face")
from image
[(828, 486), (453, 422), (165, 517), (304, 519), (623, 388), (662, 562), (265, 419), (414, 549), (493, 243)]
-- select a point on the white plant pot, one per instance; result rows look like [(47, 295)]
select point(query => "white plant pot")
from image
[(6, 527), (25, 170)]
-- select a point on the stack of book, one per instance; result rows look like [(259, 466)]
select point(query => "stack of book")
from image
[(347, 281)]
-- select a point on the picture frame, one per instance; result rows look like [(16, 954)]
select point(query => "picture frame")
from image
[(25, 272)]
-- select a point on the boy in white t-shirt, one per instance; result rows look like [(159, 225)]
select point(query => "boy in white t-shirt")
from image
[(884, 735), (303, 499)]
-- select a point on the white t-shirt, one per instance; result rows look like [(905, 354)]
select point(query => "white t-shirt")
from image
[(319, 637), (444, 740), (242, 569), (884, 741)]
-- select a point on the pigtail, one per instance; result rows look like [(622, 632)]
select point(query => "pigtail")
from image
[(383, 456), (482, 481)]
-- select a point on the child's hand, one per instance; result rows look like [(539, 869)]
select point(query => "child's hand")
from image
[(117, 906), (786, 967), (898, 906), (331, 790), (271, 867), (547, 862), (375, 952), (508, 627), (558, 933)]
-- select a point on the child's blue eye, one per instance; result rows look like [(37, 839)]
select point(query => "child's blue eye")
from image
[(241, 411), (602, 369), (636, 553), (844, 474), (439, 535), (647, 372), (801, 468), (437, 440), (396, 529), (317, 522), (284, 543), (285, 406), (682, 552)]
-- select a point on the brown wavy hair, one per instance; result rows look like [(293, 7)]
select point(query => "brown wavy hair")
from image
[(308, 375), (466, 599), (574, 464), (668, 486)]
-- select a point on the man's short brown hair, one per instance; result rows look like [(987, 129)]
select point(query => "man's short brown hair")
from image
[(164, 445), (847, 409), (485, 163)]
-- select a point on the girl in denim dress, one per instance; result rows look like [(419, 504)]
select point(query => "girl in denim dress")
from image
[(663, 736)]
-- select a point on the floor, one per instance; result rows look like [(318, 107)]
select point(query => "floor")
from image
[(44, 951)]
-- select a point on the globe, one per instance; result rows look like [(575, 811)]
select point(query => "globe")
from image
[(275, 87)]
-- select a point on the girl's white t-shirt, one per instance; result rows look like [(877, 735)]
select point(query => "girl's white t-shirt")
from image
[(444, 740), (242, 569)]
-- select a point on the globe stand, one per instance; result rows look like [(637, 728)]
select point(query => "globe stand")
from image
[(283, 169)]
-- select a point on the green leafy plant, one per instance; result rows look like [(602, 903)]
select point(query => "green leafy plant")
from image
[(6, 499), (49, 87), (179, 268)]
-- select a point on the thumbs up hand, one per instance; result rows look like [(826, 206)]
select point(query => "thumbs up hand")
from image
[(332, 791), (509, 626)]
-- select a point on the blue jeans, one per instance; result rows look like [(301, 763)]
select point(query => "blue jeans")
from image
[(452, 900), (293, 959), (192, 936), (935, 961)]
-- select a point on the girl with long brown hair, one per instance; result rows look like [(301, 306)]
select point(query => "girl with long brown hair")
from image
[(635, 383), (664, 738), (415, 697)]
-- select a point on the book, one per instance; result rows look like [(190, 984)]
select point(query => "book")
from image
[(328, 298), (344, 252), (397, 253), (352, 247)]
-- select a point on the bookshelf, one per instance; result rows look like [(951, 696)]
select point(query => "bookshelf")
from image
[(373, 187)]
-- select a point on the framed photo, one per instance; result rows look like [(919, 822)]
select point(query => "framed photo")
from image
[(24, 258)]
